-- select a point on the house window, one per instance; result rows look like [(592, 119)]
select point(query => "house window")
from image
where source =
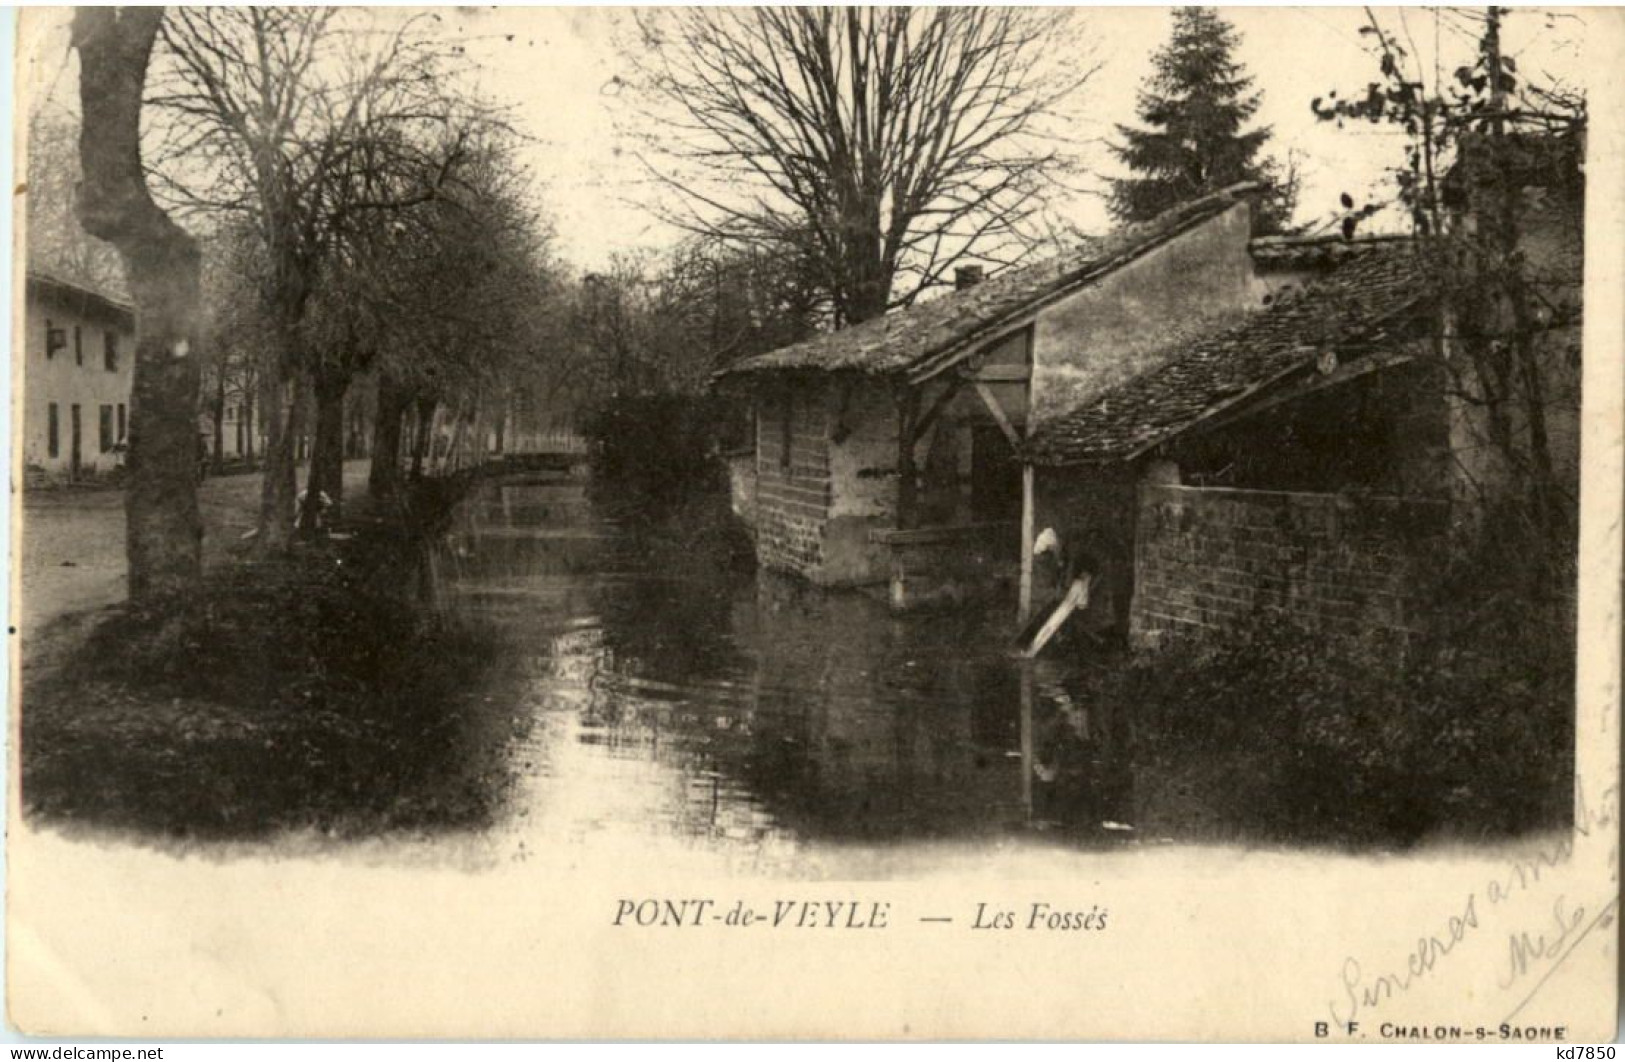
[(104, 428), (55, 338), (121, 422), (78, 345), (53, 431), (110, 352)]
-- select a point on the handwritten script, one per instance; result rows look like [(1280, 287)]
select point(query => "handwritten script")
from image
[(1534, 950)]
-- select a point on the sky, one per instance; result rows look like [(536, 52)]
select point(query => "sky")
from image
[(561, 66), (558, 67)]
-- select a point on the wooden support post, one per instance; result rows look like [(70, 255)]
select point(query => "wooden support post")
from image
[(1025, 607), (1028, 744), (907, 486)]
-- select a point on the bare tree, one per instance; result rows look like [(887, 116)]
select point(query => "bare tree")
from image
[(296, 120), (447, 302), (164, 533), (877, 144), (56, 240)]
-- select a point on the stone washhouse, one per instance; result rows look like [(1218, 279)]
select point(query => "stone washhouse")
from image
[(1204, 422)]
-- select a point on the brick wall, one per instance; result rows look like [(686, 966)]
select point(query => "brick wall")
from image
[(1208, 557), (792, 484)]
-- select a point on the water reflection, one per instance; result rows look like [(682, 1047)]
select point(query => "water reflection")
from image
[(677, 695)]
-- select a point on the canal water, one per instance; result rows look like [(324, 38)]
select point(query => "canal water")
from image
[(674, 696)]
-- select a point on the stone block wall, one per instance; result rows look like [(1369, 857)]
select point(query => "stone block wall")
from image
[(792, 481), (1210, 558)]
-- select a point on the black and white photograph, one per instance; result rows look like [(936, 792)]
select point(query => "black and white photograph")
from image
[(880, 523)]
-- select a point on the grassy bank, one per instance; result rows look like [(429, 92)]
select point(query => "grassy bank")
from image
[(306, 692)]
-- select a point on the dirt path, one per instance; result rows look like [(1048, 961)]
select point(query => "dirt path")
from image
[(72, 542)]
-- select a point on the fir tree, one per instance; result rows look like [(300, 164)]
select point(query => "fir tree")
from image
[(1194, 108)]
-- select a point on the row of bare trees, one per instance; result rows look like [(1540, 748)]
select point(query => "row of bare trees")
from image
[(360, 214), (366, 218)]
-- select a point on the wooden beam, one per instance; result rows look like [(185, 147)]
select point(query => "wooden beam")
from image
[(1077, 596), (1002, 373), (1024, 608), (1252, 402), (991, 401), (940, 403)]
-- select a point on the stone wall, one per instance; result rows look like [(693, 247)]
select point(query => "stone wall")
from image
[(1209, 557), (863, 483), (792, 479)]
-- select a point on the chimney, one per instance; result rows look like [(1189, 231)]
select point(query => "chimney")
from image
[(967, 276)]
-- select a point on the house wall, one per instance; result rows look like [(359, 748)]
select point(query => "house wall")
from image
[(1127, 322), (66, 380), (1211, 557), (792, 478), (863, 482), (814, 515)]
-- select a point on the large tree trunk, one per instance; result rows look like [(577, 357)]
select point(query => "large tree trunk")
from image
[(164, 533), (384, 478), (327, 454), (281, 398), (454, 452), (249, 402), (427, 410), (220, 420)]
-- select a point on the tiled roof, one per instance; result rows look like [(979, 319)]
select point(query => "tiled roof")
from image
[(1351, 309), (902, 340), (81, 295), (1295, 253)]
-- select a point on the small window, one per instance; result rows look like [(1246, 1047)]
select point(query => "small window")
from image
[(121, 422), (110, 352), (53, 431), (78, 345), (104, 428), (55, 338)]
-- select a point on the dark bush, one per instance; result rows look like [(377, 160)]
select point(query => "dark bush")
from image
[(1281, 734), (308, 692), (657, 449), (1463, 729)]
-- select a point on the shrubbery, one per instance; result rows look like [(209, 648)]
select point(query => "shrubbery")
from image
[(1272, 732), (311, 692)]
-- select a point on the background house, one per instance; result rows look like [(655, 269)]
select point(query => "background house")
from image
[(78, 349)]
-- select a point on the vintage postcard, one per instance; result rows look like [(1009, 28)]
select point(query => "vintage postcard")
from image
[(795, 522)]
